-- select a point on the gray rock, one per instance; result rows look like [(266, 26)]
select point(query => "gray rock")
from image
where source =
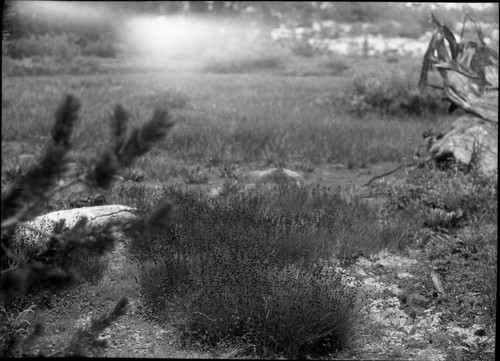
[(276, 175), (470, 137), (97, 215)]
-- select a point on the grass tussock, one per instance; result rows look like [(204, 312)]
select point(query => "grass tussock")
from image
[(261, 267)]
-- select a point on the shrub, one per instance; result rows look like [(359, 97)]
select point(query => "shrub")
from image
[(245, 58), (100, 48), (60, 47), (444, 199), (303, 47), (237, 64), (336, 66), (391, 93)]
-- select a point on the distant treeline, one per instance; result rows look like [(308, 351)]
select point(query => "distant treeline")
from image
[(414, 16)]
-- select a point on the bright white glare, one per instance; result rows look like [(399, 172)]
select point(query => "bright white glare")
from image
[(163, 35), (184, 35)]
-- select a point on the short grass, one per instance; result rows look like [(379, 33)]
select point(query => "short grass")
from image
[(235, 118)]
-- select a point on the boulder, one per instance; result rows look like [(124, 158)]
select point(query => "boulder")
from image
[(97, 215), (470, 141)]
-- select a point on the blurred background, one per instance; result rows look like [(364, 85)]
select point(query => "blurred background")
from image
[(221, 36)]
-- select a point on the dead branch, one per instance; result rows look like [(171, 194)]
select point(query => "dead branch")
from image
[(469, 70)]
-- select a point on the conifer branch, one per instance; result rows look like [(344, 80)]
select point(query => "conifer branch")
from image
[(142, 139), (66, 116), (28, 194), (119, 122), (87, 335)]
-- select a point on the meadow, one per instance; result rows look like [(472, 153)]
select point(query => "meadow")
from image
[(263, 273)]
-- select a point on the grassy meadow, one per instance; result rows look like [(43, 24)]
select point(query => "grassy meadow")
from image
[(238, 270), (238, 118)]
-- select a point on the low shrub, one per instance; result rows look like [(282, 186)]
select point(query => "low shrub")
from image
[(335, 66), (302, 47), (237, 64), (60, 47), (445, 199), (245, 58), (100, 48), (391, 93), (48, 66)]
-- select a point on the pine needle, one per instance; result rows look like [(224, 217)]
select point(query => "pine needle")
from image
[(103, 172)]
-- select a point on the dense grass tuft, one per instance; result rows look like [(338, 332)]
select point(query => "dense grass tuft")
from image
[(244, 266)]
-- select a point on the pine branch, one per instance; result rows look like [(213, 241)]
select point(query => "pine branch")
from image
[(119, 122), (87, 336), (32, 187), (19, 280), (104, 170), (66, 116), (28, 194), (21, 215), (159, 218), (141, 140)]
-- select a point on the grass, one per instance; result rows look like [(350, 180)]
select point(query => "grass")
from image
[(218, 119), (242, 267)]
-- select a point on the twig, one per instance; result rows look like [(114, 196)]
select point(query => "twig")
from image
[(395, 170), (437, 282)]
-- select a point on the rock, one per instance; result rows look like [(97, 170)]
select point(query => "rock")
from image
[(215, 192), (276, 175), (96, 216), (471, 139)]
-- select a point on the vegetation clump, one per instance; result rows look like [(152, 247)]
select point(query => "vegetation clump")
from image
[(391, 94), (261, 267)]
